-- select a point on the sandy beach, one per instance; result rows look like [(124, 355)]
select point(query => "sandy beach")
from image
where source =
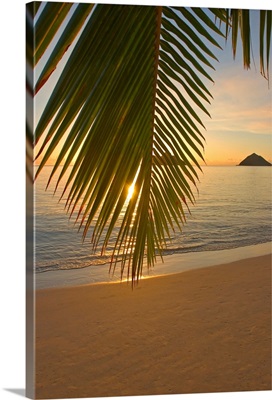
[(205, 330)]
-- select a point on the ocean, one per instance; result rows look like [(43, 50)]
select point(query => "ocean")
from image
[(232, 211)]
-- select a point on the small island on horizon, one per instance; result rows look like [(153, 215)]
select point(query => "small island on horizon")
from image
[(254, 160)]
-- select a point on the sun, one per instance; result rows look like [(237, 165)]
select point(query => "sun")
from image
[(130, 191), (131, 187)]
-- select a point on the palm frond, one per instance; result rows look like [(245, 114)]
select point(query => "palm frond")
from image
[(127, 96), (47, 26), (29, 153), (67, 37), (265, 37), (31, 11), (238, 21)]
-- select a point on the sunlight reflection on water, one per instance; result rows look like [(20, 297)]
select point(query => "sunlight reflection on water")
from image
[(233, 209)]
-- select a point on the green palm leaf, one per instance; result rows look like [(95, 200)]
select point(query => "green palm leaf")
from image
[(128, 104), (239, 22), (67, 37)]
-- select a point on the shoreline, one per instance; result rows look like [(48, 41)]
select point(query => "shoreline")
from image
[(173, 263), (200, 331)]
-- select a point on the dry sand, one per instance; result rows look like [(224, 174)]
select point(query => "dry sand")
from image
[(206, 330)]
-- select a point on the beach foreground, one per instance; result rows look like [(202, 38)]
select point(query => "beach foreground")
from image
[(206, 330)]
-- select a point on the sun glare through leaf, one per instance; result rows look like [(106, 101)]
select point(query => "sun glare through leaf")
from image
[(131, 187), (130, 191)]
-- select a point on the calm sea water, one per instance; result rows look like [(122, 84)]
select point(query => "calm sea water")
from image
[(233, 209)]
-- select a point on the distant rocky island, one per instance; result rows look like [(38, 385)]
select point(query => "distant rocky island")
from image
[(255, 160)]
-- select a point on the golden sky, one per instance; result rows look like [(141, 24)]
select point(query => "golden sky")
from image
[(241, 121)]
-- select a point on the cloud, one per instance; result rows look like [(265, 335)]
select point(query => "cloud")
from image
[(242, 102)]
